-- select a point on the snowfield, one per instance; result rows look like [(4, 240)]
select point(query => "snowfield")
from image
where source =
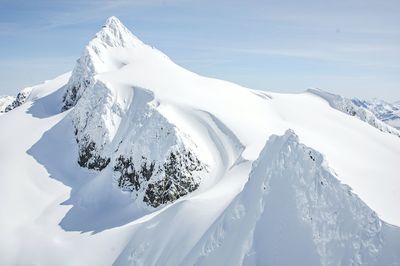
[(132, 160)]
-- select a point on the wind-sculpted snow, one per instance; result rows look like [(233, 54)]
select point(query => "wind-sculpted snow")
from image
[(293, 211), (9, 103), (123, 128), (151, 164), (350, 107), (113, 47), (4, 102), (150, 156), (96, 59), (95, 120)]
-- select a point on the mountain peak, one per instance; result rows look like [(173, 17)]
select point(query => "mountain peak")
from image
[(113, 21), (115, 34), (111, 48)]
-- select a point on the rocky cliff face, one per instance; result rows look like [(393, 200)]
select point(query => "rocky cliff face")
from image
[(123, 129), (5, 101), (151, 157), (9, 103)]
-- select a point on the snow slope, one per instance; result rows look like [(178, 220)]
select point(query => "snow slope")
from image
[(4, 102), (293, 204), (122, 94), (19, 99)]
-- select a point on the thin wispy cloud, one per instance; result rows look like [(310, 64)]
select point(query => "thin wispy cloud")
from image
[(269, 39), (91, 10), (355, 54)]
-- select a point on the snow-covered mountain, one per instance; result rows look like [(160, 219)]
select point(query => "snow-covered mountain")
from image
[(387, 112), (124, 127), (4, 102), (132, 160), (9, 103)]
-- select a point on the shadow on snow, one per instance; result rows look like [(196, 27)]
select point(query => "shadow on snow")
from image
[(97, 204), (48, 105)]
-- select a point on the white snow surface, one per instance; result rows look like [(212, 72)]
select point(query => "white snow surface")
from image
[(353, 108), (254, 206), (4, 102), (8, 103), (385, 111)]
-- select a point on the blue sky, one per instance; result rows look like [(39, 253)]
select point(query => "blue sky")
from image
[(350, 47)]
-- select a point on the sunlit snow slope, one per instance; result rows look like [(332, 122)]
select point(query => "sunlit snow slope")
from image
[(4, 102), (325, 189)]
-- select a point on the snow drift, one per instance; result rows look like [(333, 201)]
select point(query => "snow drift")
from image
[(132, 160), (293, 204)]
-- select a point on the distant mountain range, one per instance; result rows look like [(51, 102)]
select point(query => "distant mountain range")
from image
[(385, 111)]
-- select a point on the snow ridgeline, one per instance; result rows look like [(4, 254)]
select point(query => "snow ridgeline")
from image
[(351, 108), (123, 129), (150, 156), (293, 209), (9, 103), (384, 111), (5, 101), (109, 50)]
